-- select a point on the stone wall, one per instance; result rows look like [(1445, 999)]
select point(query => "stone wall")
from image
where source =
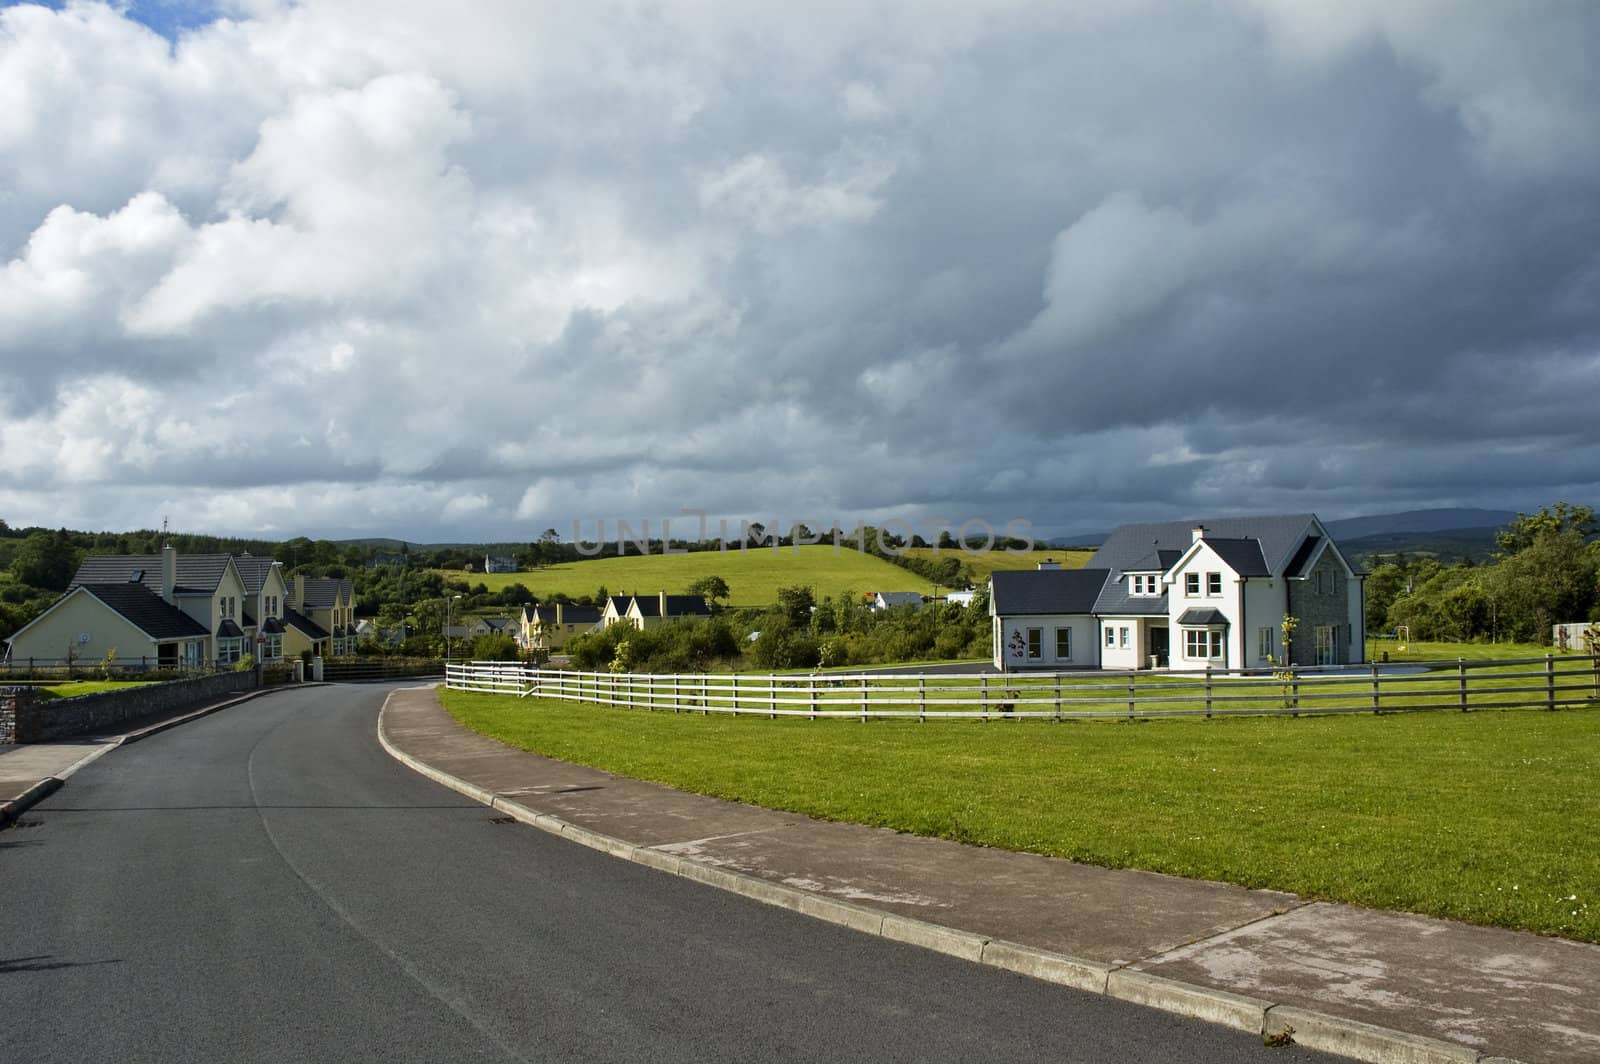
[(1313, 609), (27, 717)]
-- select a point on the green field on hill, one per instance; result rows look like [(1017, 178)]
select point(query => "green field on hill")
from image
[(981, 565), (753, 576)]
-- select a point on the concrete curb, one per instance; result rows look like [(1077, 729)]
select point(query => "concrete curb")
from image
[(9, 811), (1314, 1030)]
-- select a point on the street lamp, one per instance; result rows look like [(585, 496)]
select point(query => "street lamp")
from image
[(449, 603)]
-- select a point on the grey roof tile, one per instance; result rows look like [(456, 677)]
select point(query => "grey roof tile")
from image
[(146, 611), (1198, 615), (1038, 591)]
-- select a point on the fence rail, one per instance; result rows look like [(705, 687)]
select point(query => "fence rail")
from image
[(1548, 682), (79, 668)]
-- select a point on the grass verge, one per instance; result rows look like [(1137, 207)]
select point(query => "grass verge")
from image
[(1483, 817), (74, 688)]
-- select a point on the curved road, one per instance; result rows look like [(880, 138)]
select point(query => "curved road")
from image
[(265, 884)]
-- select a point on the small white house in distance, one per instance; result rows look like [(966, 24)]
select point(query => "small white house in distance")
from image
[(961, 598), (885, 600), (1189, 595)]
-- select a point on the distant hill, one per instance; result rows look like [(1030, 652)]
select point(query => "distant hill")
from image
[(1447, 545), (1443, 520)]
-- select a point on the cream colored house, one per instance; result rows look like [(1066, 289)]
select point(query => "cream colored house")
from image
[(329, 604), (614, 609), (266, 599), (91, 620), (207, 587), (648, 612), (550, 626)]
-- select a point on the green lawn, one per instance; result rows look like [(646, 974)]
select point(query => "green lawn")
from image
[(1485, 817), (74, 688), (754, 576)]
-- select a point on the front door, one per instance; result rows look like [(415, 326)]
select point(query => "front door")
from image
[(1158, 646)]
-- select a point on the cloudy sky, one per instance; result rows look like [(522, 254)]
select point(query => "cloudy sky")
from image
[(469, 270)]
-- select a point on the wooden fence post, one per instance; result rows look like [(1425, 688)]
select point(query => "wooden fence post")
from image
[(1376, 705), (1461, 671), (772, 698), (922, 700), (1550, 682), (705, 694), (734, 694), (1058, 698), (1131, 675), (675, 707), (811, 694), (1208, 692), (983, 693), (863, 699)]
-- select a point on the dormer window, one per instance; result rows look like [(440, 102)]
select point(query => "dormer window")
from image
[(1145, 584)]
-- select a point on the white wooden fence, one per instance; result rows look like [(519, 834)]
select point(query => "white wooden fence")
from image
[(1549, 682)]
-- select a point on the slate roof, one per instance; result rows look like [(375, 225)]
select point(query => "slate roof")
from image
[(1302, 557), (1242, 555), (323, 592), (1158, 561), (1197, 615), (1130, 547), (1030, 591), (272, 626), (619, 601), (198, 574), (228, 630), (300, 622), (252, 570), (687, 606), (903, 598), (146, 611)]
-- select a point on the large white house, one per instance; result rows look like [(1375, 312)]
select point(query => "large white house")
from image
[(1187, 595)]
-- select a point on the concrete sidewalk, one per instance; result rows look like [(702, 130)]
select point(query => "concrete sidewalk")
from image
[(1374, 985), (31, 772)]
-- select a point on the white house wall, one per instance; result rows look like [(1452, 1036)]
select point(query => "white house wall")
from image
[(1203, 561), (1263, 608), (1013, 631), (1117, 656)]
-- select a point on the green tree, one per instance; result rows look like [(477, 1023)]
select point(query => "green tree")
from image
[(795, 603), (1558, 520), (495, 646), (711, 588), (46, 560)]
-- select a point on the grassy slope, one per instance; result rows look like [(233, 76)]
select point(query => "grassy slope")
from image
[(754, 576), (1484, 817), (982, 565)]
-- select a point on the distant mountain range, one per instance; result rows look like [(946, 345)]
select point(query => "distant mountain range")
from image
[(1446, 533)]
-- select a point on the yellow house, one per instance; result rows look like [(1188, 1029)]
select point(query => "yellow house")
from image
[(91, 620), (206, 587), (614, 609), (550, 626), (651, 611), (266, 598), (329, 604)]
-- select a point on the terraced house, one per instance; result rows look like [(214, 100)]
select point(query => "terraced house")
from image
[(1187, 595)]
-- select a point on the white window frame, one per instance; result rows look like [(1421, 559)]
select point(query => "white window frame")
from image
[(1123, 638), (1207, 640), (1111, 637), (1191, 585), (1213, 585), (1063, 637), (1267, 644), (1035, 639), (1327, 644)]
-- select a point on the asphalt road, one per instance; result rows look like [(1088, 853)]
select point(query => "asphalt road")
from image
[(265, 884)]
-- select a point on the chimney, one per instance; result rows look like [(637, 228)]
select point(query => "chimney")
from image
[(559, 621), (300, 592), (1198, 532), (663, 603), (169, 572), (1049, 563)]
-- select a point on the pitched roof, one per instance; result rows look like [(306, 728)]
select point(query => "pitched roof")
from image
[(325, 591), (302, 623), (901, 598), (1157, 561), (1302, 557), (146, 611), (570, 613), (687, 605), (1243, 556), (197, 573), (1024, 591), (1197, 615), (1278, 536), (228, 630), (253, 571)]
